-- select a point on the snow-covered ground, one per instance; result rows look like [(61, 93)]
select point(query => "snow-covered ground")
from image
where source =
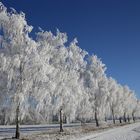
[(74, 132), (9, 131), (127, 132)]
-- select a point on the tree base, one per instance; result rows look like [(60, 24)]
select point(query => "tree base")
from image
[(17, 135)]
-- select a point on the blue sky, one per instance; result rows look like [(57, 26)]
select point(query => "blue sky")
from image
[(108, 28)]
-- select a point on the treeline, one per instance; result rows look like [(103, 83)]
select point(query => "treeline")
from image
[(46, 79)]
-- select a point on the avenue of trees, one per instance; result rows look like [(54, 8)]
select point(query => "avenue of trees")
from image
[(48, 80)]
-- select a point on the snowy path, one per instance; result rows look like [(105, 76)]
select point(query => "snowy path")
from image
[(128, 132)]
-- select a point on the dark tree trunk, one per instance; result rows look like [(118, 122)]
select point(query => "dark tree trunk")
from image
[(61, 121), (17, 135), (124, 117), (133, 117), (113, 117), (65, 119), (105, 119), (19, 89), (96, 119), (128, 119), (3, 118), (120, 119)]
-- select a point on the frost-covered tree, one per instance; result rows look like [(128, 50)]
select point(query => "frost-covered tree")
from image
[(113, 97), (15, 51), (96, 83), (126, 97), (135, 109)]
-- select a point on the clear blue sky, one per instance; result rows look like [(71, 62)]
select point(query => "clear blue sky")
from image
[(108, 28)]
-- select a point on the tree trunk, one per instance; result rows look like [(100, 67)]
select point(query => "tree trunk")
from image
[(128, 119), (96, 119), (17, 135), (133, 116), (3, 117), (61, 121), (120, 119), (68, 120), (113, 116), (105, 119), (124, 117)]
